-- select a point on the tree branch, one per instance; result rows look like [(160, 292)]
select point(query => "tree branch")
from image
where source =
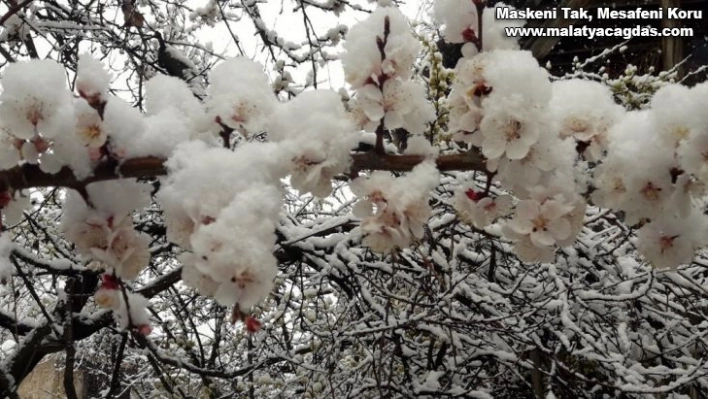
[(27, 176)]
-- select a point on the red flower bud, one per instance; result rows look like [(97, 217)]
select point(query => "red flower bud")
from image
[(474, 195), (469, 35), (252, 325), (5, 198), (109, 282)]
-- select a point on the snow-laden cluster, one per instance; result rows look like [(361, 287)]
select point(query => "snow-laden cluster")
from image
[(35, 105), (541, 140), (239, 96), (585, 111), (378, 64), (315, 128), (500, 102), (531, 130), (101, 226), (394, 211), (654, 174), (223, 206)]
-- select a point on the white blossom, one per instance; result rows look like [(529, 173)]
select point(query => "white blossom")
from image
[(33, 95), (480, 210), (240, 96), (668, 242), (394, 211), (460, 20), (362, 59)]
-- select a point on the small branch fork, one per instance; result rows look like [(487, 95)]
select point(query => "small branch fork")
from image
[(29, 176)]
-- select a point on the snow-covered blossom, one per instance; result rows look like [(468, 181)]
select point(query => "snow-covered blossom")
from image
[(34, 95), (401, 104), (378, 63), (89, 126), (170, 97), (459, 18), (394, 211), (502, 94), (192, 277), (549, 156), (235, 250), (104, 231), (641, 192), (92, 80), (240, 96), (509, 127), (675, 116), (129, 309), (668, 241), (124, 125), (362, 58), (465, 98), (585, 111), (174, 116), (693, 155), (692, 151), (127, 252), (196, 169), (318, 134), (551, 216), (542, 222), (91, 232), (230, 232), (481, 210), (510, 72)]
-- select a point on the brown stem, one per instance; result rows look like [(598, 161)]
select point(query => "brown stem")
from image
[(480, 4)]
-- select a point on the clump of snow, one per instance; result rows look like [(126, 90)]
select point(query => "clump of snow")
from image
[(315, 129), (459, 19), (92, 80), (239, 96)]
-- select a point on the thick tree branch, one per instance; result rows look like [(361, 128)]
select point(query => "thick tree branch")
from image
[(27, 176)]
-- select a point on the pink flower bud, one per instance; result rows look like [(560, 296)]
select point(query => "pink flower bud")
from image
[(144, 329), (40, 144)]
